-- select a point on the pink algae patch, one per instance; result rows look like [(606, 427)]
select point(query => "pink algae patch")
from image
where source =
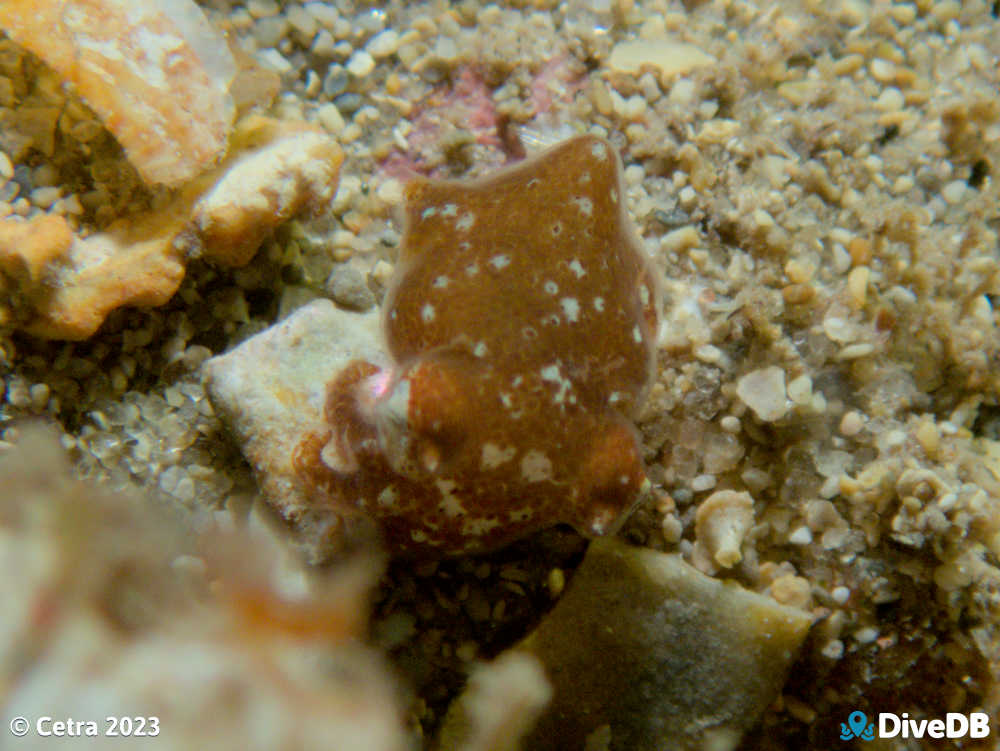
[(463, 105)]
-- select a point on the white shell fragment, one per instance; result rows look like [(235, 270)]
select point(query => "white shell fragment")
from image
[(664, 55), (722, 521), (154, 71), (763, 391)]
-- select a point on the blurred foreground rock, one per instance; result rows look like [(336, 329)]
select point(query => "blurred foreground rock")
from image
[(111, 606)]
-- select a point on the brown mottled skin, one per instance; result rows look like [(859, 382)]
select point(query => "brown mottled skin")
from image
[(521, 320)]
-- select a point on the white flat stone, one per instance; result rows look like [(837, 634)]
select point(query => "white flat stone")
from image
[(270, 392)]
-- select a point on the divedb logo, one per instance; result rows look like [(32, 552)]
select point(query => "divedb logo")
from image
[(889, 725)]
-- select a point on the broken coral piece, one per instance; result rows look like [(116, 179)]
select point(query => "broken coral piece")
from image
[(56, 290), (155, 72), (661, 656), (27, 248), (131, 263), (270, 391), (520, 319), (278, 170)]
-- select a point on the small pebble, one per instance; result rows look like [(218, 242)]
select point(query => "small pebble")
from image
[(730, 424), (6, 168), (556, 582), (262, 8), (348, 103), (840, 595), (270, 31), (360, 64), (348, 288), (336, 80), (709, 354), (800, 390), (833, 649), (330, 118), (271, 58), (45, 197), (855, 351), (635, 108), (701, 483), (302, 21), (801, 536), (851, 424), (954, 191), (446, 50), (857, 286), (324, 45), (891, 100), (929, 437), (383, 44), (325, 13), (39, 394), (882, 70), (390, 192), (763, 391), (866, 635)]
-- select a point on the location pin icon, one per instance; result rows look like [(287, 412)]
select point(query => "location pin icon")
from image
[(857, 721)]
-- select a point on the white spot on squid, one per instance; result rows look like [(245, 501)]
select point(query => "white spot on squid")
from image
[(644, 294), (577, 268), (427, 313), (493, 455), (599, 151), (441, 282), (388, 496), (429, 212), (571, 309), (585, 205), (500, 261), (551, 287), (449, 209), (465, 222), (599, 304), (480, 349), (450, 505), (472, 269), (479, 527), (637, 334), (551, 374), (536, 467)]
